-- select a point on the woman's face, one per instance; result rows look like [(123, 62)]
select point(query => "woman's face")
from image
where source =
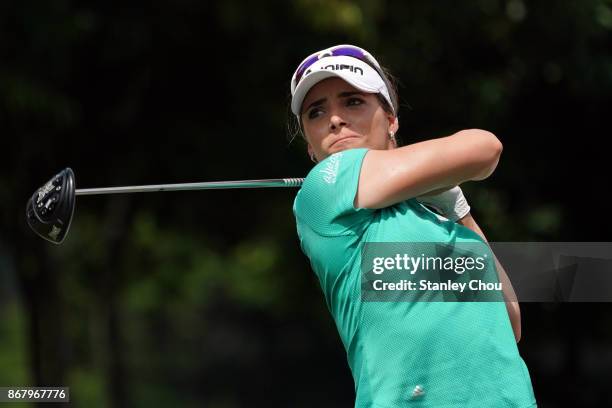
[(336, 116)]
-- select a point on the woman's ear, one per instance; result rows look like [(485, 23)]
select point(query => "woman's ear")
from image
[(311, 154), (393, 124)]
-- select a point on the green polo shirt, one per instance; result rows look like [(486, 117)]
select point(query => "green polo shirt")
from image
[(403, 354)]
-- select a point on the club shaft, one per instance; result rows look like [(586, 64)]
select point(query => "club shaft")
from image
[(211, 185)]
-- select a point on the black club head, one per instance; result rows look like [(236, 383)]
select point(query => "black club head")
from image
[(49, 211)]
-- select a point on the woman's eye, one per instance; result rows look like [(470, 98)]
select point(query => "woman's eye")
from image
[(313, 113)]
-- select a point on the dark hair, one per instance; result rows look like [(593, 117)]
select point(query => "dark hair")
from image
[(295, 126)]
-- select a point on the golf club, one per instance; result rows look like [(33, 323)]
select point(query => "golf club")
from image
[(50, 210)]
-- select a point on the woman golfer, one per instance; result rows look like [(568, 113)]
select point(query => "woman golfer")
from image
[(364, 189)]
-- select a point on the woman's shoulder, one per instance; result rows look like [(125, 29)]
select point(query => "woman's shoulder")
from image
[(326, 200), (338, 164)]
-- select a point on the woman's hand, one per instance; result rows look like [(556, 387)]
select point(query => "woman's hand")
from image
[(451, 203)]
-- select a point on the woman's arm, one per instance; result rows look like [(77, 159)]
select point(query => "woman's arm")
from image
[(512, 305), (391, 176)]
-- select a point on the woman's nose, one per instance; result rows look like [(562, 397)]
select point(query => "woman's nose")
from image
[(335, 121)]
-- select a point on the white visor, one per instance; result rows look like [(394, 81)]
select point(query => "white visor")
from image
[(354, 71)]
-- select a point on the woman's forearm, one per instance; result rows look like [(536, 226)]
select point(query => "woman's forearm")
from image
[(512, 305), (391, 176)]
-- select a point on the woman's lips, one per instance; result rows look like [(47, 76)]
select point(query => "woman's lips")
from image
[(344, 138)]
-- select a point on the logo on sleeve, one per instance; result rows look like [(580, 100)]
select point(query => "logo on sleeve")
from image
[(330, 171)]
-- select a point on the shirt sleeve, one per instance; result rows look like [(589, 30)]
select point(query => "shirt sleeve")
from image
[(325, 203)]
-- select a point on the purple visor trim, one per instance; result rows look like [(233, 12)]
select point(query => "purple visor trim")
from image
[(340, 51)]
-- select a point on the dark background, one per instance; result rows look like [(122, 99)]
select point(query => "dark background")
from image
[(199, 299)]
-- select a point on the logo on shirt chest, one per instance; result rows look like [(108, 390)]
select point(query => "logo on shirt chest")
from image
[(418, 392), (330, 171)]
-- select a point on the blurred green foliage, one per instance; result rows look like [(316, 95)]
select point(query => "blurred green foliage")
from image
[(13, 348)]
